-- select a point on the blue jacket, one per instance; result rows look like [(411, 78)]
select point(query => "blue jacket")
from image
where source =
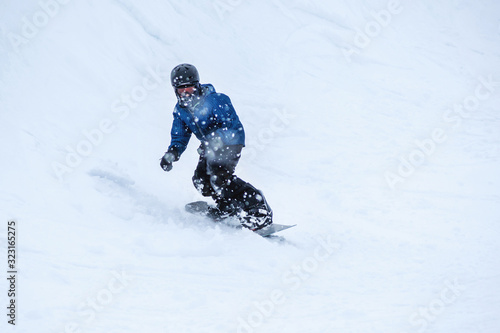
[(213, 119)]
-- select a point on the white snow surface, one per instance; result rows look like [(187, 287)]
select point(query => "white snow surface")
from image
[(372, 125)]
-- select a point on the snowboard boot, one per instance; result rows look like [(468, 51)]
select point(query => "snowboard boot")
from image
[(256, 218), (248, 204)]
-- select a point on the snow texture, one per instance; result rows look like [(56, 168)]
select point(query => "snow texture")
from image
[(372, 125)]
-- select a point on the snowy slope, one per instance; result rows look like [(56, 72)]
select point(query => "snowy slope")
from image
[(373, 125)]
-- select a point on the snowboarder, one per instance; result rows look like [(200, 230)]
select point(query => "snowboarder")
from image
[(210, 116)]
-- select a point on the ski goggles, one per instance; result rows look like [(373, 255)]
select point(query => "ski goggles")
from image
[(186, 90)]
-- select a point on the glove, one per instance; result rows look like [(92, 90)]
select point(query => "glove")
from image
[(167, 159)]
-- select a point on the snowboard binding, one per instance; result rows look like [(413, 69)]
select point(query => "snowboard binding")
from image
[(253, 219), (259, 220)]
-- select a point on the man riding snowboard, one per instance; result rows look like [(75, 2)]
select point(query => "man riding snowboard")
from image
[(210, 116)]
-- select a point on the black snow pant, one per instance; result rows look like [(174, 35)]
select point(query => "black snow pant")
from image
[(214, 177)]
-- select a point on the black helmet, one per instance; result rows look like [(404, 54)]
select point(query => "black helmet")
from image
[(183, 75)]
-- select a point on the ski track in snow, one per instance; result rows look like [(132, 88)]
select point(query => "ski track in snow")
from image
[(106, 246)]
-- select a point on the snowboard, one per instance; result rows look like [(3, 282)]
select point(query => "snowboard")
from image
[(202, 208)]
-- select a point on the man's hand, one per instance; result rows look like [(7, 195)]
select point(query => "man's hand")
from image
[(167, 160)]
